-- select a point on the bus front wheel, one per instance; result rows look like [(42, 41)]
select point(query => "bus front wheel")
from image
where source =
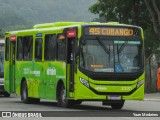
[(24, 93), (117, 105), (62, 100)]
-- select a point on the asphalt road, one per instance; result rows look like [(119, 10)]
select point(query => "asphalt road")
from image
[(86, 109)]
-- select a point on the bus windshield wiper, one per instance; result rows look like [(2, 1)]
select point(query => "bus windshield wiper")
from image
[(102, 45), (122, 47)]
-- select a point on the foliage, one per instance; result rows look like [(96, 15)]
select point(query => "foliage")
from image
[(130, 12), (153, 7), (19, 14), (40, 11), (151, 41), (123, 11)]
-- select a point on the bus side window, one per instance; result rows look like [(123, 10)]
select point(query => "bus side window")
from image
[(27, 47), (38, 49), (50, 47), (19, 48), (61, 47)]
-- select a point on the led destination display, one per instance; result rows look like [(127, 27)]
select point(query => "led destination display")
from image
[(109, 31)]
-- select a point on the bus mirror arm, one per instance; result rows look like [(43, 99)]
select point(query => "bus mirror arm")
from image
[(77, 51)]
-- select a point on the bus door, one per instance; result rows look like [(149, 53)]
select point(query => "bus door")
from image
[(12, 63), (71, 66)]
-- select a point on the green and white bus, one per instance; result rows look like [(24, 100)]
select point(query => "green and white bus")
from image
[(72, 62)]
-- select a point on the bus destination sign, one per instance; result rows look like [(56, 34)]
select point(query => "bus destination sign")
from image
[(109, 31)]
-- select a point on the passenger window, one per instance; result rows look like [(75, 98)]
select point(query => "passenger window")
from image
[(38, 49), (27, 47), (50, 47), (61, 48), (19, 48)]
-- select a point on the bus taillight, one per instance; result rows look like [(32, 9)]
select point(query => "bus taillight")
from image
[(71, 33), (12, 38)]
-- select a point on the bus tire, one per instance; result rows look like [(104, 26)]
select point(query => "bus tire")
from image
[(77, 102), (117, 105), (35, 100), (24, 93), (62, 100), (6, 94)]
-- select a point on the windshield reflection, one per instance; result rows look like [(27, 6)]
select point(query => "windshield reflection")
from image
[(111, 55)]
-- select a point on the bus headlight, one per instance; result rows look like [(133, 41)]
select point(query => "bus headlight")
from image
[(140, 83), (84, 82)]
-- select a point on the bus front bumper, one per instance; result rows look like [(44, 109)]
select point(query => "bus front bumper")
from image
[(86, 94)]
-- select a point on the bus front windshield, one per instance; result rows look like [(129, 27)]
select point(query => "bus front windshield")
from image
[(111, 55)]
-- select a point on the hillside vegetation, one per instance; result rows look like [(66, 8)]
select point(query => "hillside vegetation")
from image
[(21, 14)]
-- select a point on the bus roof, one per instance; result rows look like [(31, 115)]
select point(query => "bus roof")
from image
[(67, 24), (61, 25)]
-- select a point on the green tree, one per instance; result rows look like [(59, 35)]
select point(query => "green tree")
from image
[(133, 12), (153, 7), (123, 11)]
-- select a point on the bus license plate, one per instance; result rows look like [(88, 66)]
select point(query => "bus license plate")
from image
[(114, 97)]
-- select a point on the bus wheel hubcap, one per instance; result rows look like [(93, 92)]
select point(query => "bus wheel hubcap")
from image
[(24, 94), (63, 96)]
